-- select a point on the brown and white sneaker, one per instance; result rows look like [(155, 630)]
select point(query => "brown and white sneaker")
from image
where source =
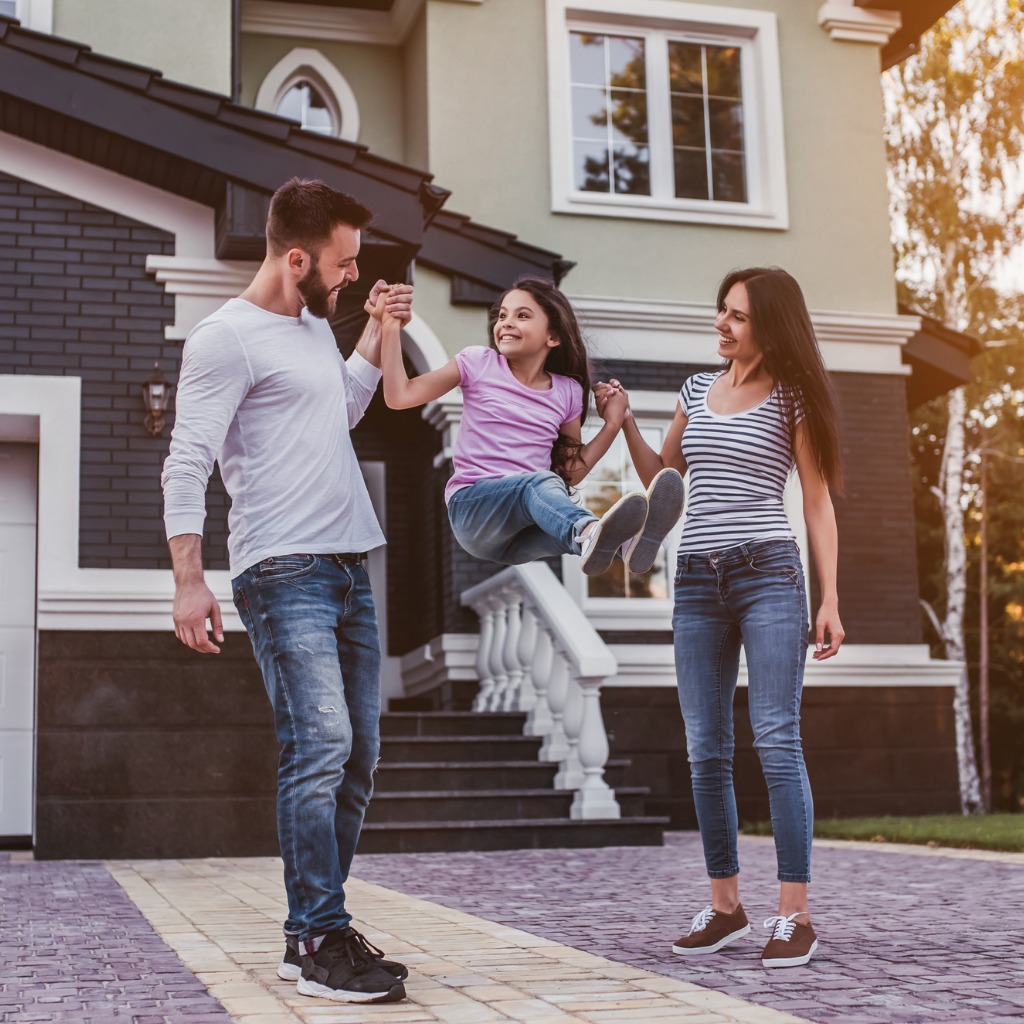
[(792, 944), (710, 930)]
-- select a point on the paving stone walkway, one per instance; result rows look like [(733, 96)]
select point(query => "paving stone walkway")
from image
[(74, 949), (908, 935)]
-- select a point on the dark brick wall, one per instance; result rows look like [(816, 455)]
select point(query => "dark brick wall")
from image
[(864, 757), (75, 300)]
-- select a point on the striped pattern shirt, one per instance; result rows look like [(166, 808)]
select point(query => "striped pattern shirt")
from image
[(738, 468)]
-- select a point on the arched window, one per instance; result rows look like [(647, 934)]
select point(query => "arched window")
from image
[(306, 87)]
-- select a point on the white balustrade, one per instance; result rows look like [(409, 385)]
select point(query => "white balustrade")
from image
[(540, 654)]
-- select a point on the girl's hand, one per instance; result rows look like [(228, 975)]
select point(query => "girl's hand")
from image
[(828, 631), (612, 402)]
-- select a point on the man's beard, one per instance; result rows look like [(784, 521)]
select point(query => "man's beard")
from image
[(319, 299)]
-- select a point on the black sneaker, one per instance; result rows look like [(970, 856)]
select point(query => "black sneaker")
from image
[(342, 970), (290, 967)]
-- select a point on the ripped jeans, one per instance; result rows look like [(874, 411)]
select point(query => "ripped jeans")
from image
[(313, 628)]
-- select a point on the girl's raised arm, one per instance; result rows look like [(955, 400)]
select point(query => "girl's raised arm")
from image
[(399, 391), (646, 460)]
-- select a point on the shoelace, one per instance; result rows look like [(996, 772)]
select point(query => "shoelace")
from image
[(367, 947), (346, 947), (783, 925), (701, 920)]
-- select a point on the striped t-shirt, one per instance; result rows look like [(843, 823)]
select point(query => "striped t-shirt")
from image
[(738, 467)]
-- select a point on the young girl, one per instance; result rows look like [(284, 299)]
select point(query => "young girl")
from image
[(519, 448), (740, 581)]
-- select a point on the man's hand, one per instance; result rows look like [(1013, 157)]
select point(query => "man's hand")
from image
[(397, 302), (194, 603)]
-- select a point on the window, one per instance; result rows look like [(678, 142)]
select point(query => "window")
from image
[(666, 110), (33, 14), (306, 87)]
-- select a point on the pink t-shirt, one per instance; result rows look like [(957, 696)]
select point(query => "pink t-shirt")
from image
[(507, 428)]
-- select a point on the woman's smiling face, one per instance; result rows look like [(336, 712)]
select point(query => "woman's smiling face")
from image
[(735, 332)]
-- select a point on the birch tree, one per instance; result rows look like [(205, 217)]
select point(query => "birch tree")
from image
[(955, 136)]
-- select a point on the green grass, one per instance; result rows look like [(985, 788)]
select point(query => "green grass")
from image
[(972, 832)]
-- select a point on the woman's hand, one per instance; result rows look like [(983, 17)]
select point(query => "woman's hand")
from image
[(828, 631), (612, 402)]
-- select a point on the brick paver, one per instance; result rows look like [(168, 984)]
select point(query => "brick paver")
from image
[(906, 937), (75, 950)]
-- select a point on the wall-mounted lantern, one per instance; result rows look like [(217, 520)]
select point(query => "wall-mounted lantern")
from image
[(155, 393)]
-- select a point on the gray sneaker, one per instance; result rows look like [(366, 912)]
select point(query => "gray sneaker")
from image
[(664, 507), (710, 930), (618, 525)]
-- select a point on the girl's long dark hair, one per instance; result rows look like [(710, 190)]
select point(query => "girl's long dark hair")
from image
[(783, 331), (568, 358)]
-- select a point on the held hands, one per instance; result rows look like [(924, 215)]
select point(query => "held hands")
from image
[(828, 631), (612, 402), (390, 302), (194, 603)]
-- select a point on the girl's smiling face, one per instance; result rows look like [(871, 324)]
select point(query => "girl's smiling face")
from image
[(735, 333), (522, 327)]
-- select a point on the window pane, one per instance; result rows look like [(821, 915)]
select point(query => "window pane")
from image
[(685, 68), (586, 58), (691, 174), (591, 167), (729, 177), (723, 71), (291, 104), (626, 62), (304, 103), (589, 112), (726, 124), (632, 170), (629, 116), (688, 121)]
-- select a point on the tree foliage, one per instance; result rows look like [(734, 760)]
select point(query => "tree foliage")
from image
[(955, 133)]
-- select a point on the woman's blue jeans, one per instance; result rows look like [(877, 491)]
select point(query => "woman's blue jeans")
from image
[(517, 519), (750, 595), (313, 629)]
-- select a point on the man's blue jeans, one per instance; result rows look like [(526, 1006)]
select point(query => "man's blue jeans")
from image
[(753, 595), (517, 519), (313, 629)]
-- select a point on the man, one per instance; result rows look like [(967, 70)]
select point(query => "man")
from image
[(264, 391)]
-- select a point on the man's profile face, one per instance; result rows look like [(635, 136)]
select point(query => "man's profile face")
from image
[(329, 271)]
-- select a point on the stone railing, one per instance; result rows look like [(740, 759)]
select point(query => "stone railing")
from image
[(539, 654)]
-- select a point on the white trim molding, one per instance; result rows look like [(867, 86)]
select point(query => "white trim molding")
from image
[(199, 286), (450, 657), (48, 410), (754, 32), (845, 21), (683, 332), (858, 665), (315, 21), (35, 14), (306, 64)]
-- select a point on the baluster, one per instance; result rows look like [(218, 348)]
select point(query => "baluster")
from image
[(556, 747), (497, 653), (513, 666), (570, 775), (483, 655), (594, 797), (528, 631), (540, 722)]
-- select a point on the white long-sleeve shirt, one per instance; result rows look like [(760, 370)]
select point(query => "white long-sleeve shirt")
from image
[(270, 398)]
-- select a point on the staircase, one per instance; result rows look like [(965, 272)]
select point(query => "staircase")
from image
[(462, 780)]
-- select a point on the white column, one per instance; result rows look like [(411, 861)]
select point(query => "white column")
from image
[(483, 656), (594, 797)]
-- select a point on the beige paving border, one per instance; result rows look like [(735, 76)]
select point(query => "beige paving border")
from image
[(222, 917)]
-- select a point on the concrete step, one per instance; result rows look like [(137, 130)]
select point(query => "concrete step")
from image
[(397, 749), (452, 723)]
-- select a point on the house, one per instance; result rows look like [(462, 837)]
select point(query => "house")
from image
[(139, 143)]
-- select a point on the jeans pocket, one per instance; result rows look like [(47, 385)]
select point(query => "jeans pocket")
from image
[(776, 563), (285, 567)]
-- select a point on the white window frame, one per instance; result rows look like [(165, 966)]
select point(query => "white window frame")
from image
[(309, 65), (764, 141)]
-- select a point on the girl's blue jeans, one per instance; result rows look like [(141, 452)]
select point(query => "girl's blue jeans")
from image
[(750, 595), (517, 519), (313, 628)]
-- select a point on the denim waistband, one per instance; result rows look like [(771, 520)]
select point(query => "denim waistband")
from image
[(738, 553)]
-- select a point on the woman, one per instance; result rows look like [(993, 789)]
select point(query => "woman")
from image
[(740, 431)]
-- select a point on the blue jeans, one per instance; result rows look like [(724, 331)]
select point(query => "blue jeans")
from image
[(313, 629), (517, 519), (753, 595)]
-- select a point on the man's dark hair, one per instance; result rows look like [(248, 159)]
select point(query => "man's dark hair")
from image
[(305, 212)]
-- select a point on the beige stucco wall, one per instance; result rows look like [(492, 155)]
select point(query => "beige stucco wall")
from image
[(188, 40), (488, 142), (374, 74)]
